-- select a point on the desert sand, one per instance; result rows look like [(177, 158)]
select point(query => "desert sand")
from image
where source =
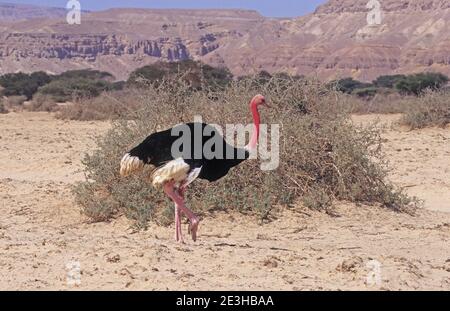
[(43, 235)]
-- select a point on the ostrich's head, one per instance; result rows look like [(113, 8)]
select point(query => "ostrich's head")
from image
[(258, 100)]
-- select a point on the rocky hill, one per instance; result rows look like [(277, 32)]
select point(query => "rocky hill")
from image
[(335, 41)]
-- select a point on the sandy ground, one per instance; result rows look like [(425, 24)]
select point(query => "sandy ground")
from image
[(44, 238)]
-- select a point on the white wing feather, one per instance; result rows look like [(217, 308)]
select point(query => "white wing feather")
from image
[(192, 176), (176, 170)]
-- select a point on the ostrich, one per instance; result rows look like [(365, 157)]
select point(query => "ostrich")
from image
[(173, 175)]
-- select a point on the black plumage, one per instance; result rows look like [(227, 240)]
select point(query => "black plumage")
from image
[(156, 150)]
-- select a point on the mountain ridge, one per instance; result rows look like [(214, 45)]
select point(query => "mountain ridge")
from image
[(335, 41)]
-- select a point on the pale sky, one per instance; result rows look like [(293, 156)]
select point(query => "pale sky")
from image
[(272, 8)]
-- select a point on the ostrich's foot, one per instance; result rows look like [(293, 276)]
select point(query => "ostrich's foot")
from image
[(193, 227)]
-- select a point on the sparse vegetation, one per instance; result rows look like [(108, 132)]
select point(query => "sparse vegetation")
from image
[(83, 89), (12, 103), (42, 102), (323, 156), (2, 107), (430, 109), (110, 105), (196, 74), (381, 103)]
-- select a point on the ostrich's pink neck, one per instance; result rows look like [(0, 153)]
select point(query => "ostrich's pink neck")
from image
[(256, 123)]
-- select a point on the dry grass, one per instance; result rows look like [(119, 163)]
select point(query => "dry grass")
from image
[(382, 103), (42, 102), (2, 107), (323, 157), (13, 103), (430, 109), (109, 105)]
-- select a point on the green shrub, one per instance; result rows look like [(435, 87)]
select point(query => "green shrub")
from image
[(388, 81), (21, 84), (320, 150), (264, 77), (196, 74), (367, 93), (87, 74), (349, 85), (418, 83), (62, 87), (62, 90)]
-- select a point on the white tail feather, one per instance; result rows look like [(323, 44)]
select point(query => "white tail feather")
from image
[(129, 165)]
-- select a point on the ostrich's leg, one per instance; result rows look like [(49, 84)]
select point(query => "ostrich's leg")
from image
[(178, 199), (194, 221), (168, 189), (178, 233)]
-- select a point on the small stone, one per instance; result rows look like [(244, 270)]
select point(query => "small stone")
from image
[(113, 259)]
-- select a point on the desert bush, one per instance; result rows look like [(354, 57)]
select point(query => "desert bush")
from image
[(323, 157), (196, 74), (418, 83), (430, 109), (349, 85), (21, 84), (62, 90), (42, 102), (109, 105), (413, 84), (62, 87), (388, 81), (14, 103), (3, 109), (384, 102), (264, 77), (88, 74), (366, 93)]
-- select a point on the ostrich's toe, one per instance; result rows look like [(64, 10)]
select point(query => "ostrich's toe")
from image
[(192, 228)]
